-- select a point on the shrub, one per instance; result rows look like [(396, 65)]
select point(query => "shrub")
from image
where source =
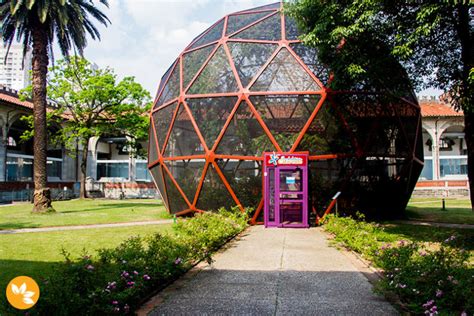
[(428, 278), (117, 280)]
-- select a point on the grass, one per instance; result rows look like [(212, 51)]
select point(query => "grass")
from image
[(82, 212), (458, 211), (35, 254), (427, 234)]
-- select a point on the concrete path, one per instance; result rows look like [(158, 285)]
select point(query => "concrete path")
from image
[(78, 227), (275, 272)]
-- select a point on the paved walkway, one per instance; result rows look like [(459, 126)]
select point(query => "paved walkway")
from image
[(78, 227), (275, 272)]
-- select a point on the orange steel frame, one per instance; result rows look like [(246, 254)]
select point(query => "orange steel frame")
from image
[(243, 94)]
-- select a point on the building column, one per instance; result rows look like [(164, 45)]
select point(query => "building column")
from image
[(132, 176), (435, 155), (3, 150), (132, 170), (92, 158)]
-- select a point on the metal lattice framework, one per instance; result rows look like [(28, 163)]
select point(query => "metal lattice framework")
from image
[(247, 85)]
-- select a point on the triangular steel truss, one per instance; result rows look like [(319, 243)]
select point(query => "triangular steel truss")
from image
[(198, 149)]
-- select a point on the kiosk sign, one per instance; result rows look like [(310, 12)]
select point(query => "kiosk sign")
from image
[(286, 159)]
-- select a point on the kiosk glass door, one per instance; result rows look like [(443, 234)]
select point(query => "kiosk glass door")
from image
[(286, 190)]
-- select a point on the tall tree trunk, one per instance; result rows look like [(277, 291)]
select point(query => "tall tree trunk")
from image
[(42, 194), (85, 151), (466, 96)]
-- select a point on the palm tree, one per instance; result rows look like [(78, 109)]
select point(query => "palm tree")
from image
[(36, 23)]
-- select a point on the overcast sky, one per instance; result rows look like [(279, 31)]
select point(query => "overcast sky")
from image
[(146, 36)]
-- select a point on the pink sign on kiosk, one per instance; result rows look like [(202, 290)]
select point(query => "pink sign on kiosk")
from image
[(285, 188)]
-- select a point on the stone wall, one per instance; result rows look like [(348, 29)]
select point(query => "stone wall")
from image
[(441, 188), (130, 190), (23, 191)]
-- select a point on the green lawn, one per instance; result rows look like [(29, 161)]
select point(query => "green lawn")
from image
[(82, 212), (430, 234), (35, 254), (457, 211)]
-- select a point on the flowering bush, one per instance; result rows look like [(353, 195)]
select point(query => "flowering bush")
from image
[(429, 278), (430, 281), (118, 280)]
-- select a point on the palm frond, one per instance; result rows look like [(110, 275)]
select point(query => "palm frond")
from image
[(68, 22)]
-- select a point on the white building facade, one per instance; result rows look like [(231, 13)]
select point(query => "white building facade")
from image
[(15, 72), (113, 170), (445, 151)]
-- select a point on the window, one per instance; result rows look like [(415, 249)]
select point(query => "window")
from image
[(446, 144), (453, 166), (112, 169), (11, 142), (142, 173)]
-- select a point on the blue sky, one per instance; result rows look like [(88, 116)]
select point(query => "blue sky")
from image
[(146, 36)]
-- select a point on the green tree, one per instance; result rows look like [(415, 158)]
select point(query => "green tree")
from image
[(375, 44), (92, 102), (36, 23)]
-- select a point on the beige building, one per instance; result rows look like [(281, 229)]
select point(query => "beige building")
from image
[(445, 151), (112, 170)]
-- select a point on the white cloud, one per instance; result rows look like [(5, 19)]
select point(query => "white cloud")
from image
[(146, 36)]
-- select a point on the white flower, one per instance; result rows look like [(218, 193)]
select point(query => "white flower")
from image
[(27, 295)]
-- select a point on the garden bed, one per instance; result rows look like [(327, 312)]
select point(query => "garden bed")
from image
[(431, 272), (117, 280)]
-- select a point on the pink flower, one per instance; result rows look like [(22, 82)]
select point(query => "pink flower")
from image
[(178, 261), (114, 302), (111, 285), (146, 277), (450, 238), (126, 308), (135, 272), (439, 293), (428, 304), (90, 267), (125, 274), (130, 283)]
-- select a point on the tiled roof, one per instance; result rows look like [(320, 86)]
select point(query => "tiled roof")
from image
[(436, 108), (7, 97)]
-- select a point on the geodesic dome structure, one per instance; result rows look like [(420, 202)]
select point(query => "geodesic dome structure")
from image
[(247, 85)]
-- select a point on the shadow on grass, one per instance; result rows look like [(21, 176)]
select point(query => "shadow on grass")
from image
[(7, 226), (111, 207), (434, 214), (433, 234)]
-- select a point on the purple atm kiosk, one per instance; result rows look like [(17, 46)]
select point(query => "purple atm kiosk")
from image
[(285, 187)]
